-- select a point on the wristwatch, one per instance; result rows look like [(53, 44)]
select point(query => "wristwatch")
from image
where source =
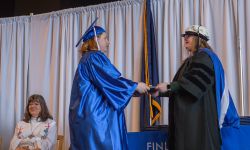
[(168, 87)]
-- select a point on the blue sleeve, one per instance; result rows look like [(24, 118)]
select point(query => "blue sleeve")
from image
[(116, 89)]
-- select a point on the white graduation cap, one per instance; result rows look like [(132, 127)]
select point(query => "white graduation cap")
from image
[(197, 30)]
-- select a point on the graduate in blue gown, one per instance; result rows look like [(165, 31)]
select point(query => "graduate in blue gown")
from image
[(98, 98)]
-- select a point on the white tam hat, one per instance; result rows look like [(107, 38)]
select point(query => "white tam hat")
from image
[(197, 30)]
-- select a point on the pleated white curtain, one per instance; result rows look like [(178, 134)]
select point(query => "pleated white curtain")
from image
[(14, 57), (38, 53), (244, 55)]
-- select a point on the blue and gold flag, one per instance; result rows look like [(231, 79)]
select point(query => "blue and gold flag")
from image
[(150, 108)]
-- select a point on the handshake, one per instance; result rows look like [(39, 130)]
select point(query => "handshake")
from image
[(142, 88)]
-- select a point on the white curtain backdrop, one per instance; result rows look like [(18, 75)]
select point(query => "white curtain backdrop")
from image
[(244, 55), (38, 53), (14, 57)]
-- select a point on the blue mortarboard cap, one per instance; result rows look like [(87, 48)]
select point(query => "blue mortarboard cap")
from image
[(91, 32)]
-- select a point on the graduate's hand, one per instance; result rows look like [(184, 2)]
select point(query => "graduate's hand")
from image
[(162, 87), (142, 88)]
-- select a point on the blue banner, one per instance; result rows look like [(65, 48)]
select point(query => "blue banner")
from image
[(150, 108)]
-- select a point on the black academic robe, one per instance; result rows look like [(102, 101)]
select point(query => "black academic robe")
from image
[(193, 121)]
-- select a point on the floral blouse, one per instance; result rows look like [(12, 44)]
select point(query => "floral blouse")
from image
[(35, 134)]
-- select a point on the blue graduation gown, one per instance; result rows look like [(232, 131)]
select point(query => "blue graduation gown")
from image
[(98, 98)]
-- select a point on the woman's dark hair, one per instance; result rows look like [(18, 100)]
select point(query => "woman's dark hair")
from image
[(44, 114)]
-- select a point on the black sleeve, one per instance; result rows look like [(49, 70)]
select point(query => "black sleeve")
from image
[(199, 76), (172, 87)]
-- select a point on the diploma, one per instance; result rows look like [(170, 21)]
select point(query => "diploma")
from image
[(152, 89)]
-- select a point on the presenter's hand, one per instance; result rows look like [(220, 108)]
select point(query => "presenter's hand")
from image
[(162, 87), (142, 88)]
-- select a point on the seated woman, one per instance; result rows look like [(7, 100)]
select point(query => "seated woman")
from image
[(37, 131)]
